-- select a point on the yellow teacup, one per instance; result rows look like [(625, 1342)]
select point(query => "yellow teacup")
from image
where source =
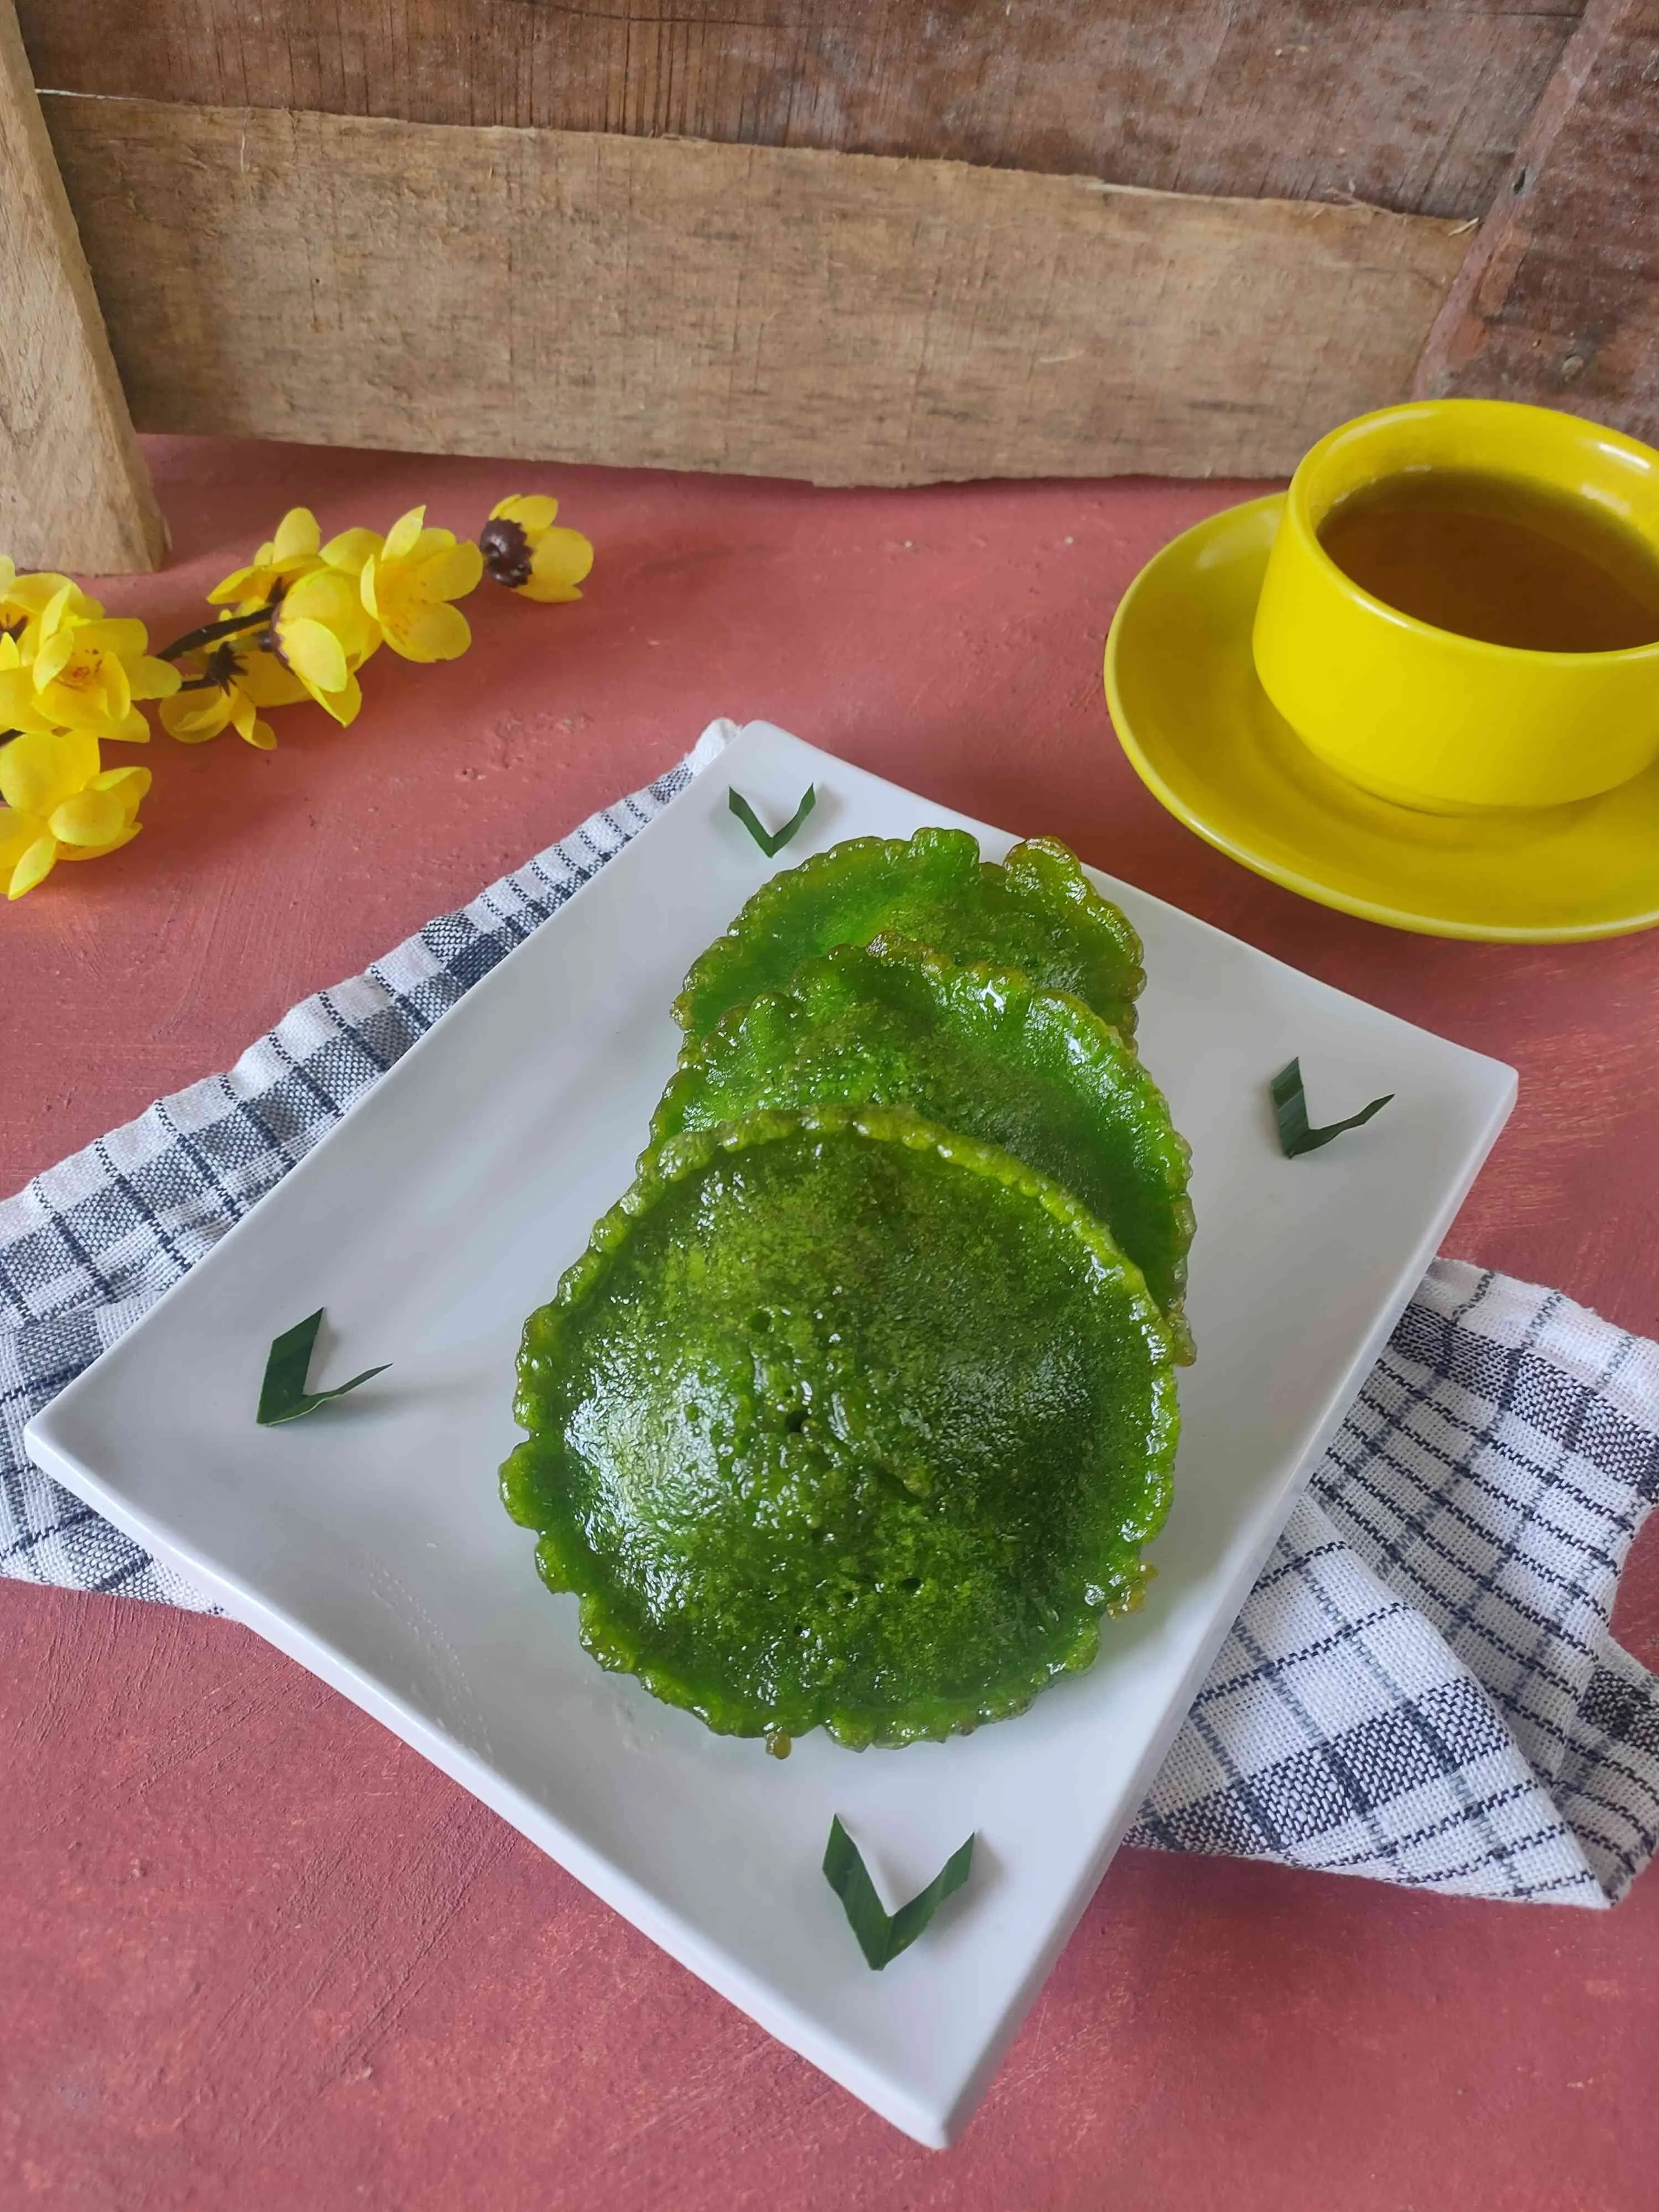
[(1424, 716)]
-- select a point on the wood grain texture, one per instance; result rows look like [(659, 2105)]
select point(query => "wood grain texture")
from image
[(74, 493), (1414, 105), (1559, 300), (843, 318)]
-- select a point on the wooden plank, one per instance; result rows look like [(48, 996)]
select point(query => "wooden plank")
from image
[(840, 316), (74, 491), (1415, 104), (1560, 302)]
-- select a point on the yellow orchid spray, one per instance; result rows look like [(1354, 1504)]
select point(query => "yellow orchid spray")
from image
[(299, 621)]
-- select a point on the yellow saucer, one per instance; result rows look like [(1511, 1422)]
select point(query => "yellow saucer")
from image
[(1206, 741)]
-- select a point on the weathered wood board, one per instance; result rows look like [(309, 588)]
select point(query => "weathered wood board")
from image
[(840, 318), (1559, 304), (74, 491), (1414, 105)]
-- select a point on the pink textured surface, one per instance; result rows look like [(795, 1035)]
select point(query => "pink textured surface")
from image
[(255, 1949)]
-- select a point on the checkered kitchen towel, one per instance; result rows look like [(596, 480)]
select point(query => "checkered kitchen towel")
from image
[(1421, 1687)]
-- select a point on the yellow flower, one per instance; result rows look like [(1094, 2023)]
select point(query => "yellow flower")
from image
[(82, 672), (523, 551), (406, 585), (321, 634), (60, 804), (23, 598), (292, 553), (238, 679), (195, 716)]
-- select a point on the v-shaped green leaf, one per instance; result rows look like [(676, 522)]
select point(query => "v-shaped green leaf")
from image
[(883, 1934), (283, 1396)]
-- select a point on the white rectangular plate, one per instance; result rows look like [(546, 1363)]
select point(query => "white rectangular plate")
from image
[(369, 1544)]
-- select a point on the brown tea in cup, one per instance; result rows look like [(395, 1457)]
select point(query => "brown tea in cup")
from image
[(1492, 557)]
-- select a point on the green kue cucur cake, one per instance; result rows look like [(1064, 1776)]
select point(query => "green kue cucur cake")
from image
[(859, 1408), (1036, 911), (844, 1421), (977, 1049)]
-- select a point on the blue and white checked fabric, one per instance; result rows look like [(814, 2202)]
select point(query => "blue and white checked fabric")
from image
[(1422, 1686)]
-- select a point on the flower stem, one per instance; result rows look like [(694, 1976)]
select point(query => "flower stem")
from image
[(210, 633)]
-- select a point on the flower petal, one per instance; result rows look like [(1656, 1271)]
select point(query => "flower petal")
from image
[(40, 772), (530, 510), (296, 536), (323, 594), (314, 653), (97, 852), (60, 611), (91, 817), (52, 656), (195, 716), (35, 592), (248, 724), (16, 696), (226, 593), (151, 679), (115, 688), (34, 866), (431, 632), (132, 729), (130, 784), (352, 549), (121, 634), (452, 574), (558, 565), (345, 704), (358, 632), (404, 533), (18, 831), (31, 722), (266, 682)]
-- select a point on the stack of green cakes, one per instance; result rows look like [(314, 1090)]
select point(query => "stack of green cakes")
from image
[(859, 1406)]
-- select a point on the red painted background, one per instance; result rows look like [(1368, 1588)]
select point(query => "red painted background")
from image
[(253, 1950)]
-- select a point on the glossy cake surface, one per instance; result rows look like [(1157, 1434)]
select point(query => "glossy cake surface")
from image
[(845, 1420)]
